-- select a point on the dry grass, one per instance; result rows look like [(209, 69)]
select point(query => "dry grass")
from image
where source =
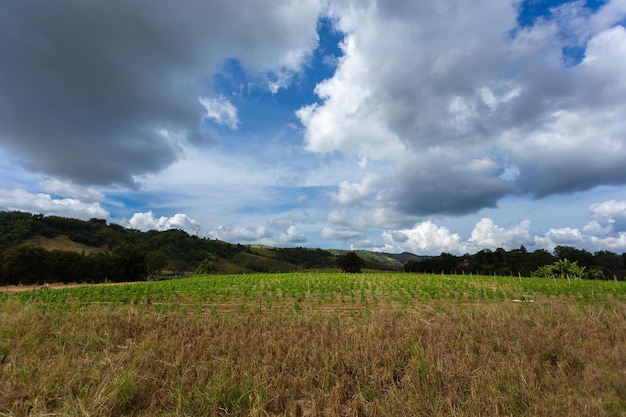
[(64, 243), (442, 359)]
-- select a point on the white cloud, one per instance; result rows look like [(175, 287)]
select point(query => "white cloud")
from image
[(610, 214), (221, 111), (289, 237), (350, 193), (22, 200), (430, 112), (282, 232), (341, 233), (487, 234), (425, 238), (465, 113), (574, 237), (608, 209), (594, 228), (606, 230), (345, 225), (607, 219), (578, 24), (238, 234), (147, 221), (615, 243), (69, 189)]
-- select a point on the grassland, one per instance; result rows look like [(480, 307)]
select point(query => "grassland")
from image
[(314, 344), (64, 243)]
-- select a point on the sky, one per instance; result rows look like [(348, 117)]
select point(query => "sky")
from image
[(428, 127)]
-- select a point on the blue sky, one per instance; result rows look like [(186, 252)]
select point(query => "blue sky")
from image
[(429, 127)]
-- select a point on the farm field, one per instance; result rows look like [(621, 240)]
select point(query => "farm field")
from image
[(317, 344)]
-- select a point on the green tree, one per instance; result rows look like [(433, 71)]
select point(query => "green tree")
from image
[(563, 268), (351, 263), (155, 262), (26, 265), (131, 262), (581, 256), (206, 267)]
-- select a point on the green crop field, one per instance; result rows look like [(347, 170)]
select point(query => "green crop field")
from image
[(316, 344), (310, 291)]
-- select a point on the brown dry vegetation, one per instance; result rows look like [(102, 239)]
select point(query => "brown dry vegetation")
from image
[(443, 359), (64, 243)]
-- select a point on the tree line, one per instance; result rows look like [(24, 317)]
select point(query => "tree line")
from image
[(521, 262), (34, 265), (116, 253)]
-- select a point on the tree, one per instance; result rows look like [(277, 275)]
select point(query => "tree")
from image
[(351, 263), (563, 268), (206, 267), (582, 257), (131, 262), (26, 264), (155, 262)]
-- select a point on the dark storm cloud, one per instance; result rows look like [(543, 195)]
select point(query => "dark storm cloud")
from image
[(447, 185), (98, 92)]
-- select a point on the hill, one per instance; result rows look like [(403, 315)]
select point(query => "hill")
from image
[(382, 260), (31, 244), (64, 243), (37, 248)]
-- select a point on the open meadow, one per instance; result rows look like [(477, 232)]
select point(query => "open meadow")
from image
[(317, 344)]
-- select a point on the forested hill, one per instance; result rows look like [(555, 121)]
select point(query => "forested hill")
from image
[(39, 248)]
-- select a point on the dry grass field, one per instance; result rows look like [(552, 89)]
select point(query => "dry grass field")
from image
[(560, 355), (64, 243)]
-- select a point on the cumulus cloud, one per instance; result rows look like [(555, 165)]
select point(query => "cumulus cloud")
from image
[(221, 111), (239, 234), (286, 233), (466, 113), (575, 237), (22, 200), (342, 233), (345, 226), (87, 89), (425, 112), (427, 238), (279, 233), (487, 234), (566, 236), (609, 214), (69, 189), (350, 193), (147, 221), (605, 231)]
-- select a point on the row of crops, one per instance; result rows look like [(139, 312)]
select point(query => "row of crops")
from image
[(263, 292)]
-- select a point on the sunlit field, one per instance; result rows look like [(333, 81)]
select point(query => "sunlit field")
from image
[(317, 344)]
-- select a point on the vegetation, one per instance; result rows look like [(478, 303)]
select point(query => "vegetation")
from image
[(301, 343), (350, 263), (520, 262), (317, 344), (35, 249), (562, 268), (94, 251), (315, 291)]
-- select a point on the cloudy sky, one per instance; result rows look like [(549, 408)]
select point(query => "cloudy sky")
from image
[(422, 126)]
